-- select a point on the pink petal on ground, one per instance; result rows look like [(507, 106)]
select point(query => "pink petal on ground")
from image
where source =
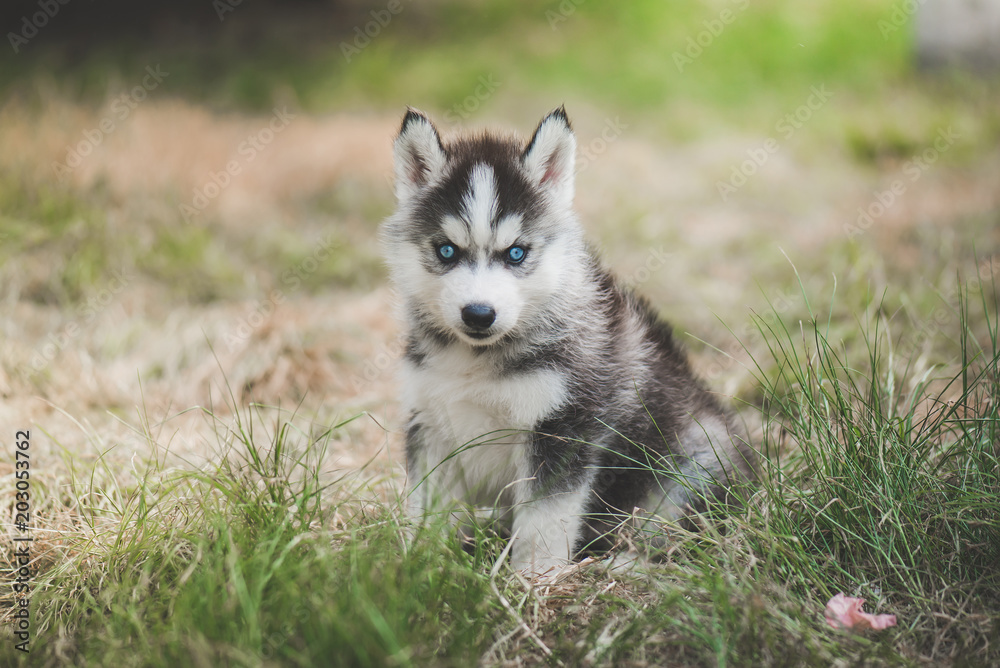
[(844, 612)]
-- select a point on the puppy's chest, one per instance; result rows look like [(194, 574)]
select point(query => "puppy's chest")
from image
[(465, 396)]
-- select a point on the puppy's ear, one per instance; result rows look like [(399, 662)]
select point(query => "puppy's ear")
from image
[(419, 155), (551, 155)]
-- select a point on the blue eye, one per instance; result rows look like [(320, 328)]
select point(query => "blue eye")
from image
[(446, 252), (515, 254)]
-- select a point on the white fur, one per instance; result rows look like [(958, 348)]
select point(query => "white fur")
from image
[(514, 300), (477, 425), (545, 530), (550, 160), (419, 159), (480, 284), (508, 230), (480, 205), (457, 231)]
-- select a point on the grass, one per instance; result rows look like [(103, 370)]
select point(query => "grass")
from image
[(33, 218), (893, 478), (879, 482), (263, 557), (760, 65), (82, 243), (84, 240)]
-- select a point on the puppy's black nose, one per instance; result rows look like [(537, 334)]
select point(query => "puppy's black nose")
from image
[(478, 316)]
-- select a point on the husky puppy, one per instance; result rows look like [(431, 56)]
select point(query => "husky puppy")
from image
[(534, 383)]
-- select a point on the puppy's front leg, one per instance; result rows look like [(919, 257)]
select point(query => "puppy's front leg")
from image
[(418, 488), (437, 485), (546, 531), (428, 489)]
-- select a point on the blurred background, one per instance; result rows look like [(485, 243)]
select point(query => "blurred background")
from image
[(190, 191)]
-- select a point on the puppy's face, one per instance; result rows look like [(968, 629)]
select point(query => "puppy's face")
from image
[(479, 242)]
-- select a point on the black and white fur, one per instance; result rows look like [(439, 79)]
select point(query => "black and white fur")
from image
[(540, 388)]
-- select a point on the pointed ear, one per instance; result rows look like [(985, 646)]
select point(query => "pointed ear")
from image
[(550, 156), (419, 155)]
